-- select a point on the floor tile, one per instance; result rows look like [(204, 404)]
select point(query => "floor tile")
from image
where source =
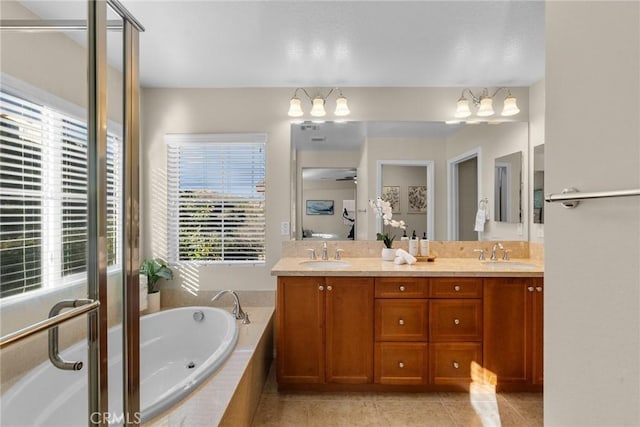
[(412, 413), (342, 413), (273, 411)]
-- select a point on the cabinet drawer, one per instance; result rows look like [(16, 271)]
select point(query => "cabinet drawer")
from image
[(402, 287), (451, 363), (401, 363), (456, 287), (401, 319), (455, 320)]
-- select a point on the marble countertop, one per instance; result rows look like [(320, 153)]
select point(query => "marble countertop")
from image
[(469, 267)]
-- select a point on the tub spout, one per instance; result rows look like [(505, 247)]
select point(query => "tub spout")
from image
[(237, 311)]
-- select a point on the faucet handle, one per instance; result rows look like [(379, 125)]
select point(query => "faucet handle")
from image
[(481, 256), (337, 256), (505, 257), (312, 253)]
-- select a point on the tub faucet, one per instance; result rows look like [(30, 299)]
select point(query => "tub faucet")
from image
[(325, 256), (493, 251), (237, 311)]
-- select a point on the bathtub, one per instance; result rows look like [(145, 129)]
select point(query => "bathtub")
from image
[(177, 353)]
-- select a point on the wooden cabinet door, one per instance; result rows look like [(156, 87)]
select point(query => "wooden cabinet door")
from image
[(507, 329), (349, 321), (537, 312), (300, 318)]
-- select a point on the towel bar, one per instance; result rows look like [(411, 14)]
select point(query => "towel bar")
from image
[(570, 197)]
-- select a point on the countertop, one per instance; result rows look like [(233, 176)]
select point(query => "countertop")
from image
[(469, 267)]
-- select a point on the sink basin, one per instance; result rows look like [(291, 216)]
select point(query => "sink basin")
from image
[(510, 265), (325, 264)]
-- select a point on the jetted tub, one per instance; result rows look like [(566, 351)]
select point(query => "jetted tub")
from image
[(177, 353)]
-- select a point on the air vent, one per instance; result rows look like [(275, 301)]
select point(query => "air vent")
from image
[(318, 139)]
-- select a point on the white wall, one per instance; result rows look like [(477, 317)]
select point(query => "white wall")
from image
[(536, 137), (166, 111), (592, 272), (403, 177), (327, 190)]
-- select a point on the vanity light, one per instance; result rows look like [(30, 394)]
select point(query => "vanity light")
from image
[(484, 102), (317, 104)]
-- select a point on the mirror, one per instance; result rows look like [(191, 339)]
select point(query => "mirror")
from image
[(329, 200), (507, 194), (538, 184), (463, 161)]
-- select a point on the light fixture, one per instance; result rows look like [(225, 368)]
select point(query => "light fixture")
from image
[(317, 104), (484, 102)]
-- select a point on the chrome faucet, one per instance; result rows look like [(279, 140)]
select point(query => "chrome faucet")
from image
[(237, 311), (325, 256), (493, 251)]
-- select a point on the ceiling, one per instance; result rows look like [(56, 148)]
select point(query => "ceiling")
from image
[(332, 43)]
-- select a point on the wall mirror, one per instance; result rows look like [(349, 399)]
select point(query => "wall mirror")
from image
[(538, 184), (508, 185), (457, 187)]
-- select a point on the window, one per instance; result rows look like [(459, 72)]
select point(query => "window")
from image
[(216, 195), (43, 196)]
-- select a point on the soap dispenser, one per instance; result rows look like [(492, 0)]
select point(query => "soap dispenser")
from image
[(404, 235), (413, 244), (424, 245)]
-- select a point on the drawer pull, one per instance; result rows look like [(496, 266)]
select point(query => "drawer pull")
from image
[(321, 288), (401, 322), (400, 365), (456, 365), (456, 321), (402, 288), (329, 288), (456, 288), (539, 289), (530, 288)]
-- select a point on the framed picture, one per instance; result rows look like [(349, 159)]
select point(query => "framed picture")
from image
[(391, 194), (417, 199), (319, 207)]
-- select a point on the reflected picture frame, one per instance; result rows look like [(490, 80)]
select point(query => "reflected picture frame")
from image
[(417, 196), (391, 194), (320, 207)]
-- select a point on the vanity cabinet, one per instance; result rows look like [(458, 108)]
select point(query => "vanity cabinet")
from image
[(325, 330), (513, 310)]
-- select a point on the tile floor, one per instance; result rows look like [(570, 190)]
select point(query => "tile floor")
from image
[(397, 409)]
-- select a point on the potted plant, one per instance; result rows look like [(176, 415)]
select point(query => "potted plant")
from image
[(382, 208), (154, 270)]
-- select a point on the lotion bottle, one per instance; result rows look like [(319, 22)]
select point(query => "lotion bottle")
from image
[(413, 244), (424, 245)]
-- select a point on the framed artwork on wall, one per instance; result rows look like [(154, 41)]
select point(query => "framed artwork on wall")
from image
[(319, 207), (391, 194), (417, 199)]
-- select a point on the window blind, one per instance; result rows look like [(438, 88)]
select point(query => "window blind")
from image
[(43, 196), (216, 191)]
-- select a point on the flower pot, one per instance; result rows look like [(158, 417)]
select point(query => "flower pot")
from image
[(388, 254), (153, 302)]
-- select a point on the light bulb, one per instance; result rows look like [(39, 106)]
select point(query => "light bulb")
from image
[(318, 108), (486, 107), (295, 109)]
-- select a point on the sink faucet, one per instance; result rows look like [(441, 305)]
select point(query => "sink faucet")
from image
[(493, 251), (325, 256), (237, 311)]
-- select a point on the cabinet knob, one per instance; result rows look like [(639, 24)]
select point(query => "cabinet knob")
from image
[(321, 288), (456, 288), (539, 289), (400, 365), (530, 288), (456, 365), (456, 321), (402, 288), (329, 288), (401, 322)]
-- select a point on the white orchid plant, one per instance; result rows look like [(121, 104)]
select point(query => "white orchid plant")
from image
[(383, 210)]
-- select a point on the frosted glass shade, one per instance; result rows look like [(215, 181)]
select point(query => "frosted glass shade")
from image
[(342, 109), (318, 108), (462, 109), (295, 109), (510, 106), (486, 107)]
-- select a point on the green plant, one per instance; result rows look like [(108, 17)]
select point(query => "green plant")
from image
[(155, 269)]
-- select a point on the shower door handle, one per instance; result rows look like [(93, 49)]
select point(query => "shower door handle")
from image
[(54, 354)]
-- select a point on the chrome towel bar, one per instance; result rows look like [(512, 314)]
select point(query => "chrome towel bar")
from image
[(570, 197)]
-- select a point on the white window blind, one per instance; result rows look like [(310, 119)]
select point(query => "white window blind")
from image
[(216, 192), (43, 196)]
